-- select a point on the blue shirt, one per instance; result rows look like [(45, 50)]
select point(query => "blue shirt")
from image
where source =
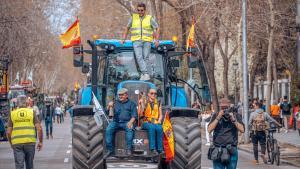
[(124, 111)]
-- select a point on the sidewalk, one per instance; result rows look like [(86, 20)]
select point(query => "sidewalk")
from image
[(292, 138), (289, 147)]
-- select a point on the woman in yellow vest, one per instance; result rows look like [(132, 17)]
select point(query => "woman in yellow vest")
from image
[(144, 30), (21, 133), (152, 113)]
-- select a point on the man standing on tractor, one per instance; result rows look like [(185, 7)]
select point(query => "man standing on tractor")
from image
[(144, 30), (259, 120), (21, 134), (225, 124), (152, 112), (124, 116)]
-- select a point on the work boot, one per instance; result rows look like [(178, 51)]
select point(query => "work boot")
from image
[(255, 162), (128, 152), (146, 76), (153, 152), (142, 77)]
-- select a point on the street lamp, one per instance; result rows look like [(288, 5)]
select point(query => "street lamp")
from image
[(235, 66)]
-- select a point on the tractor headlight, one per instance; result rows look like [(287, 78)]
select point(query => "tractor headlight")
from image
[(108, 47)]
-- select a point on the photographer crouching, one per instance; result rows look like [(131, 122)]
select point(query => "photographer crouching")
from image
[(225, 124)]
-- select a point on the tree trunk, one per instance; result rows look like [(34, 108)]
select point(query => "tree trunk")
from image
[(210, 66), (275, 79), (160, 18), (253, 70), (269, 57), (225, 77), (183, 22)]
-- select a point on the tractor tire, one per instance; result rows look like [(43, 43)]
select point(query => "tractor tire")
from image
[(87, 144), (187, 136)]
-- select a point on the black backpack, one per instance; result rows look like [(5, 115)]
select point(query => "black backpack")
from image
[(286, 107)]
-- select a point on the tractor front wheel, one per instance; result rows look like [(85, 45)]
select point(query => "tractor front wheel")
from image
[(87, 144), (187, 138)]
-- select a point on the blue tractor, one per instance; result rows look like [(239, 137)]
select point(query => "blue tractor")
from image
[(114, 66)]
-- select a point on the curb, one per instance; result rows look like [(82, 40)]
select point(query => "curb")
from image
[(281, 160)]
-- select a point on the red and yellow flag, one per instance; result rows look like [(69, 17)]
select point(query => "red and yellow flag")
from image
[(72, 36), (168, 140), (190, 43)]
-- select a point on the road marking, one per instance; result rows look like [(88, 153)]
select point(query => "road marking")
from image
[(70, 146), (66, 160), (131, 166), (69, 151)]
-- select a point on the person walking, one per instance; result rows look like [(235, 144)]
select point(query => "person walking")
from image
[(124, 116), (152, 113), (225, 124), (48, 114), (21, 133), (58, 113), (206, 116), (144, 30), (259, 121), (286, 109)]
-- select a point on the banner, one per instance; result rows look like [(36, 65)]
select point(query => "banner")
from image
[(72, 36)]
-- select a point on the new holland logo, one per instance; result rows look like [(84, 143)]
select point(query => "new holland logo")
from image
[(140, 141)]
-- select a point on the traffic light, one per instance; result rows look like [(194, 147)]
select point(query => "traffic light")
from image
[(78, 56)]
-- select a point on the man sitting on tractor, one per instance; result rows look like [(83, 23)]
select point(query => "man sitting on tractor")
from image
[(152, 112), (124, 116)]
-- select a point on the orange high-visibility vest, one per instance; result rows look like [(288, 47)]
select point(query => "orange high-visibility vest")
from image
[(152, 114)]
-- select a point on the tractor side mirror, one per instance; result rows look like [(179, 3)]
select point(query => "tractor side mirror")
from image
[(193, 62), (174, 63), (77, 56), (85, 67)]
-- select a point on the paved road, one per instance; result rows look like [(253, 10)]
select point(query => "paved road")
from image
[(57, 153)]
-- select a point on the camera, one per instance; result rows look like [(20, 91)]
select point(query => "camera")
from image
[(231, 109)]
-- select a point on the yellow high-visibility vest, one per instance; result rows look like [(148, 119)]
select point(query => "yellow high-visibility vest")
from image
[(23, 126), (141, 29)]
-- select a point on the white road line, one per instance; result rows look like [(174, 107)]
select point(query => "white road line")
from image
[(69, 151), (66, 160), (70, 146)]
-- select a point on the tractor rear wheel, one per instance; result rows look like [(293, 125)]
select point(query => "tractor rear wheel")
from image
[(187, 136), (87, 143)]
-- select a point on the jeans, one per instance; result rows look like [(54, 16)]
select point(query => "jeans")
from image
[(24, 153), (110, 130), (142, 51), (259, 136), (48, 124), (217, 164), (155, 134)]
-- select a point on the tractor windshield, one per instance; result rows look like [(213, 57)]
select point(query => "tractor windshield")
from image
[(123, 66)]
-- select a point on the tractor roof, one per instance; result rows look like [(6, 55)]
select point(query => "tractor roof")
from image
[(128, 43)]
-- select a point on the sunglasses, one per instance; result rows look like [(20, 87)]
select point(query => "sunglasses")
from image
[(153, 93), (121, 94)]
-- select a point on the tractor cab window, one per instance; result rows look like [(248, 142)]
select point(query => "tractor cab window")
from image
[(123, 66)]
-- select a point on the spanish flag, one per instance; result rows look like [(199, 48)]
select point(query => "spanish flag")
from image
[(190, 43), (72, 36), (168, 139)]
